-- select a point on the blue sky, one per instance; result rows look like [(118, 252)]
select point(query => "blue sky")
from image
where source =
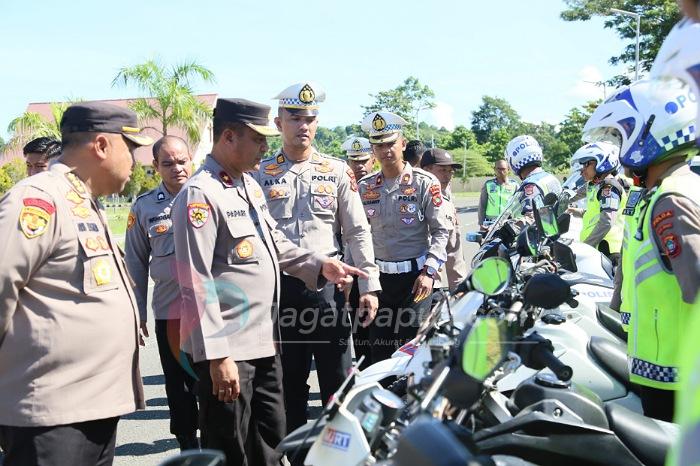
[(519, 50)]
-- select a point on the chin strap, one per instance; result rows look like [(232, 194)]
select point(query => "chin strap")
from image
[(640, 178)]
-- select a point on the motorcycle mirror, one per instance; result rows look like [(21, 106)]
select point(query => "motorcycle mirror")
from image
[(483, 348), (527, 244), (550, 199), (563, 222), (545, 218), (491, 276), (197, 458), (546, 290)]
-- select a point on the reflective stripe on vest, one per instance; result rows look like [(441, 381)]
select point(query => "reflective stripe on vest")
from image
[(658, 312), (592, 216), (545, 181), (498, 196)]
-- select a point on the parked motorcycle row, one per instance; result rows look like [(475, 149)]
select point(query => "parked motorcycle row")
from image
[(524, 364)]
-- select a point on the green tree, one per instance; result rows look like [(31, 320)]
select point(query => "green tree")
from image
[(11, 173), (493, 148), (137, 179), (170, 97), (31, 125), (5, 181), (150, 181), (494, 114), (658, 17), (328, 141), (462, 137), (475, 163), (405, 100)]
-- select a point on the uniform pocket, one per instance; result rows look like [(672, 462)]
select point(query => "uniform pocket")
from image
[(279, 201), (324, 198), (244, 244), (100, 273), (162, 245)]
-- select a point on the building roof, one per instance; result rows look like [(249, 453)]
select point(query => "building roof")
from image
[(153, 128)]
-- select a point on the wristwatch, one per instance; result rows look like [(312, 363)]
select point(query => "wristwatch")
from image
[(429, 271)]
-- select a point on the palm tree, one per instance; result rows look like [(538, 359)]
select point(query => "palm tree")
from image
[(31, 125), (171, 99)]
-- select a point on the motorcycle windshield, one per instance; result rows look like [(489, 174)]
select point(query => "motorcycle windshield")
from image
[(513, 209)]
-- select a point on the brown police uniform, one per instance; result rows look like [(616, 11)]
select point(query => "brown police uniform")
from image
[(68, 317), (454, 270), (229, 255), (409, 231), (150, 250)]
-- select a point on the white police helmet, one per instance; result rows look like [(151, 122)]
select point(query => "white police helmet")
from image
[(522, 151), (679, 57), (649, 119), (605, 154)]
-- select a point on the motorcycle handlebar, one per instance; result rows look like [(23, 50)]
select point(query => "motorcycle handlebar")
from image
[(543, 355), (537, 352)]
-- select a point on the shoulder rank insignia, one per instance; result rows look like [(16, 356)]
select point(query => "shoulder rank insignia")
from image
[(370, 195), (80, 211), (406, 179), (74, 197), (225, 179), (35, 217), (76, 183), (160, 196), (280, 159)]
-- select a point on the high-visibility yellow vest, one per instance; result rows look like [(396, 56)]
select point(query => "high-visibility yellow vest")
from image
[(658, 313)]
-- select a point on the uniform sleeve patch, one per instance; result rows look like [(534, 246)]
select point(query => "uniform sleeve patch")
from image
[(671, 245), (130, 220), (40, 204), (661, 217), (663, 227), (198, 214)]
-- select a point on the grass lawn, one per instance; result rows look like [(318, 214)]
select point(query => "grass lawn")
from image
[(116, 217)]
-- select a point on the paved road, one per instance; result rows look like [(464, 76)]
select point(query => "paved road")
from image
[(144, 438)]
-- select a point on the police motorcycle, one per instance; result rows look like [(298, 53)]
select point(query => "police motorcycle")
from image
[(584, 335), (367, 424), (581, 337), (547, 420), (359, 422)]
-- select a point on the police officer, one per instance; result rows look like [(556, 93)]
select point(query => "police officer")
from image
[(361, 160), (413, 152), (68, 317), (440, 163), (602, 224), (496, 193), (228, 256), (525, 158), (313, 197), (679, 57), (150, 248), (661, 252), (409, 231), (38, 152)]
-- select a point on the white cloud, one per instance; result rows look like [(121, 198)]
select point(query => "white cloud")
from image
[(585, 87), (442, 115)]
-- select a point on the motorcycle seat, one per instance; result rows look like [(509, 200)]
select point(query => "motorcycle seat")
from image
[(644, 436), (583, 278), (612, 356), (610, 319)]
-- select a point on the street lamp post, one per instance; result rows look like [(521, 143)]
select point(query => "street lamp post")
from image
[(638, 17), (416, 118), (602, 84)]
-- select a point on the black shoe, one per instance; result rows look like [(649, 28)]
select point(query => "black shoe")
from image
[(188, 442)]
